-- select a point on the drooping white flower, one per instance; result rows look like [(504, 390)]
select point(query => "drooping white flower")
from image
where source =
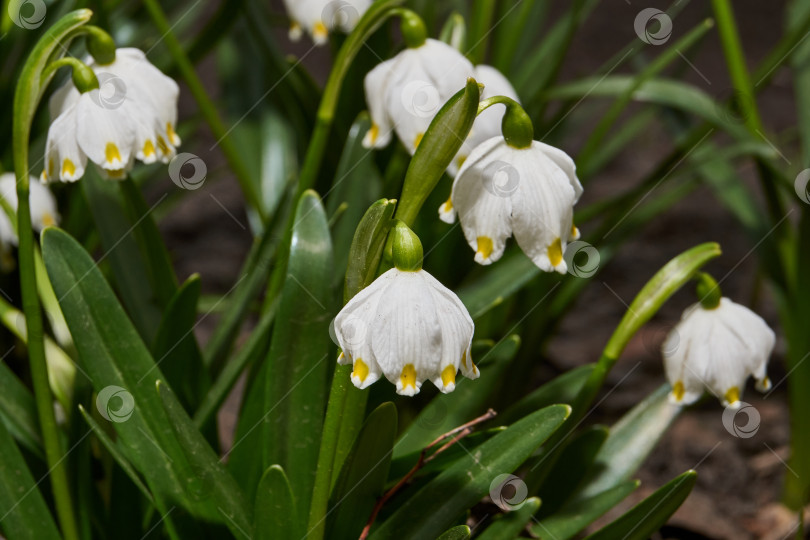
[(43, 208), (717, 349), (319, 17), (530, 192), (408, 327), (405, 93), (131, 115), (488, 122)]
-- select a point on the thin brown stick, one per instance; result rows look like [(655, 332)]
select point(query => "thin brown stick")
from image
[(456, 433)]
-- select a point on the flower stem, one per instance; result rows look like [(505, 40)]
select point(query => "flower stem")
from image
[(31, 84), (206, 105)]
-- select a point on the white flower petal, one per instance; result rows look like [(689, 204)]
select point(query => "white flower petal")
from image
[(106, 135), (64, 160), (565, 163), (375, 83)]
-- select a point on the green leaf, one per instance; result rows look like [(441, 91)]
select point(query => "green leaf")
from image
[(363, 475), (460, 532), (631, 440), (562, 389), (113, 355), (454, 31), (175, 349), (283, 412), (358, 184), (509, 526), (130, 271), (116, 452), (644, 519), (438, 147), (251, 280), (468, 400), (570, 469), (18, 411), (671, 277), (576, 515), (660, 91), (254, 348), (275, 514), (367, 246), (504, 279), (208, 476), (23, 512), (156, 258), (434, 507)]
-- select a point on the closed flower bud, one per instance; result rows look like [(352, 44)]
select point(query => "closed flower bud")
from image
[(717, 349), (529, 192)]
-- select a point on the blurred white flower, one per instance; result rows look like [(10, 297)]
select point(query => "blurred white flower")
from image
[(131, 115), (529, 192), (319, 17), (43, 212), (405, 92), (488, 123), (408, 327), (717, 349)]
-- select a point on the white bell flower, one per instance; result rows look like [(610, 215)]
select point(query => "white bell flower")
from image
[(717, 349), (488, 123), (319, 17), (131, 115), (405, 93), (43, 208), (530, 192), (408, 327)]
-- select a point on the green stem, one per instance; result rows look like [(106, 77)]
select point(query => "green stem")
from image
[(33, 79), (206, 105), (480, 30)]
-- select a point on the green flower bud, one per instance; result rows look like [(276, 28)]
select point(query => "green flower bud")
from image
[(406, 249), (413, 29), (516, 126), (100, 45), (708, 290), (83, 77)]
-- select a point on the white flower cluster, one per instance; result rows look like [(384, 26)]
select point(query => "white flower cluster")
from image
[(133, 114), (43, 212), (319, 17)]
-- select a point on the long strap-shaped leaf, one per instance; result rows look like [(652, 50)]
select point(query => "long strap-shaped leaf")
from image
[(23, 513), (113, 355), (428, 512), (650, 514), (283, 412)]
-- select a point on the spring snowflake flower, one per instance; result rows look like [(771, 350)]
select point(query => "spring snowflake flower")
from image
[(717, 349), (488, 123), (43, 212), (319, 17), (131, 115), (406, 326), (405, 92), (529, 192)]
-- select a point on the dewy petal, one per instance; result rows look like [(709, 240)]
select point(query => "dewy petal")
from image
[(406, 336), (482, 196), (542, 208), (64, 160), (106, 135)]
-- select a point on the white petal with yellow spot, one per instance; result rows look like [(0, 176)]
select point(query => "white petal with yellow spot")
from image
[(43, 207), (405, 93), (409, 328), (717, 349), (319, 17), (530, 193)]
